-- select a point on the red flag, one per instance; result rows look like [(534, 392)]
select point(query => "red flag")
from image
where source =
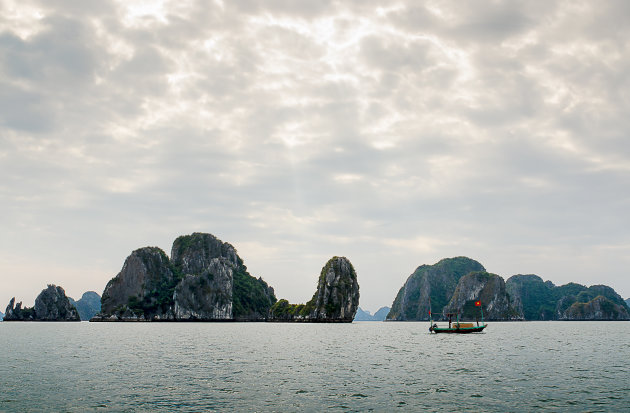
[(477, 303)]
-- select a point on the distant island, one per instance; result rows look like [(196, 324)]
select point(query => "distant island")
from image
[(453, 285), (206, 280), (379, 315), (88, 306)]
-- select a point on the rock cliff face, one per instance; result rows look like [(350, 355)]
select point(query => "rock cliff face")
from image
[(487, 288), (142, 289), (50, 305), (337, 295), (540, 300), (207, 295), (88, 306), (191, 254), (335, 301), (204, 280), (435, 282)]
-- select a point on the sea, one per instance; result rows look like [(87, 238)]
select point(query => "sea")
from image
[(285, 367)]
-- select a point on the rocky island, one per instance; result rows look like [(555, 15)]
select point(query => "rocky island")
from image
[(454, 284), (542, 300), (487, 288), (88, 305), (430, 283), (206, 280), (50, 305), (335, 301), (379, 315)]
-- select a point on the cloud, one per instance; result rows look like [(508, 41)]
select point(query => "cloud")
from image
[(395, 135)]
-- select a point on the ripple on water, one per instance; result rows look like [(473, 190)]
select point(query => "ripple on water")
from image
[(280, 367)]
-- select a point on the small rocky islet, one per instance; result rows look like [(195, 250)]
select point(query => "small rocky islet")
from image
[(453, 285), (51, 304)]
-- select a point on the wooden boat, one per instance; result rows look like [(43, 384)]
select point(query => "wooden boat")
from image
[(457, 326)]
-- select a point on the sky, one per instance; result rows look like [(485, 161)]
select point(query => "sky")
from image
[(393, 133)]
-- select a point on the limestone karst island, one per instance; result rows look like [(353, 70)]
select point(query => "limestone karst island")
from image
[(453, 285), (205, 279)]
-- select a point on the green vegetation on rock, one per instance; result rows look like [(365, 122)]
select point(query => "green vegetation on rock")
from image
[(533, 295), (144, 286), (544, 301), (282, 310), (252, 297)]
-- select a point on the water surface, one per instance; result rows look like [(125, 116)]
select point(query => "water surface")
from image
[(363, 366)]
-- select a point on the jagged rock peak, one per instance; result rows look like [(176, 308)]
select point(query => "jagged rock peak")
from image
[(144, 271), (12, 310), (51, 304), (191, 254), (229, 292), (337, 295)]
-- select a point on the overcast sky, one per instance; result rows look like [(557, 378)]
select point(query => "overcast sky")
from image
[(392, 133)]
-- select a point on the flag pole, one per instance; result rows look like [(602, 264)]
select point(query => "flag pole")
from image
[(478, 304), (430, 316)]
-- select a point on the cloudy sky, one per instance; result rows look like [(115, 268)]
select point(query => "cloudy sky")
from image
[(392, 133)]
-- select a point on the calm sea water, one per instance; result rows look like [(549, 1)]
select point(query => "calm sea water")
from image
[(579, 366)]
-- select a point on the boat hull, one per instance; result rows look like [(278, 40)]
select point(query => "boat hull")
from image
[(462, 330)]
